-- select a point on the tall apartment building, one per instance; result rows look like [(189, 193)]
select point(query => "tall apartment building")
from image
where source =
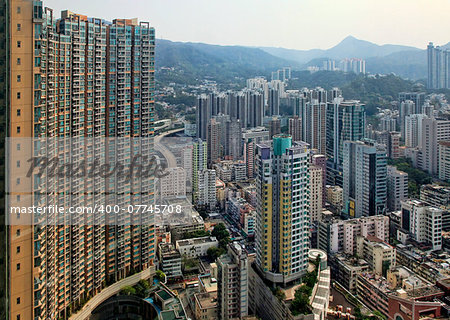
[(295, 128), (206, 194), (251, 137), (214, 135), (274, 126), (392, 142), (397, 188), (406, 108), (282, 225), (203, 114), (335, 235), (321, 161), (444, 160), (315, 200), (355, 65), (199, 163), (76, 77), (438, 67), (274, 102), (314, 124), (345, 122), (418, 98), (232, 289), (186, 164), (423, 222), (255, 109), (388, 123), (433, 131), (413, 130), (365, 189)]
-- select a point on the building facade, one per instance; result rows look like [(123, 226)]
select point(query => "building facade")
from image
[(76, 77), (364, 170), (232, 290), (282, 226)]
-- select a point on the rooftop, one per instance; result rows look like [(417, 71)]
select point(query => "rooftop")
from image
[(206, 300), (193, 241)]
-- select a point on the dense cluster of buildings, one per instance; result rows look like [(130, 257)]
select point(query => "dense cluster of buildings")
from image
[(298, 179)]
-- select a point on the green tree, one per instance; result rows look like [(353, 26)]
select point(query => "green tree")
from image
[(128, 291), (160, 275)]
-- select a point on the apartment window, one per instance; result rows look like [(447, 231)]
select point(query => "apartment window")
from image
[(18, 198), (18, 146), (18, 215), (18, 300), (19, 78), (19, 27), (18, 316), (18, 232), (18, 180), (19, 44), (18, 95), (18, 112), (18, 61), (18, 163), (18, 249), (18, 129), (18, 266), (18, 9)]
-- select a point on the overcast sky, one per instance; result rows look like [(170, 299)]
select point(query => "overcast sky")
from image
[(296, 24)]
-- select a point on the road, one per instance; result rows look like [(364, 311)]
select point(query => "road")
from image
[(171, 160), (107, 292)]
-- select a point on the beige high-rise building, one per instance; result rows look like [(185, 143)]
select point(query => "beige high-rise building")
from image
[(67, 78), (315, 202), (295, 128), (433, 131)]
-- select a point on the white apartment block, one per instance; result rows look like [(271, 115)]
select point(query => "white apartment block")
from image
[(423, 222), (433, 131), (341, 235), (196, 247), (413, 130), (397, 188), (173, 184), (206, 194)]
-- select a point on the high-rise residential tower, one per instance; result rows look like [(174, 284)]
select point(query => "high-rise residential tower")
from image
[(282, 226), (397, 188), (199, 163), (433, 131), (232, 272), (345, 122), (295, 128), (76, 77), (364, 171), (438, 67)]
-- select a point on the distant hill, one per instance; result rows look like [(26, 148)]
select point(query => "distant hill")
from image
[(405, 61), (227, 64), (199, 60), (350, 47)]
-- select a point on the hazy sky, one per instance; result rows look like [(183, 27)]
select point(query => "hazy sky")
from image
[(296, 24)]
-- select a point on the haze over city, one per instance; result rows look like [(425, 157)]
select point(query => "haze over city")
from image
[(294, 24)]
